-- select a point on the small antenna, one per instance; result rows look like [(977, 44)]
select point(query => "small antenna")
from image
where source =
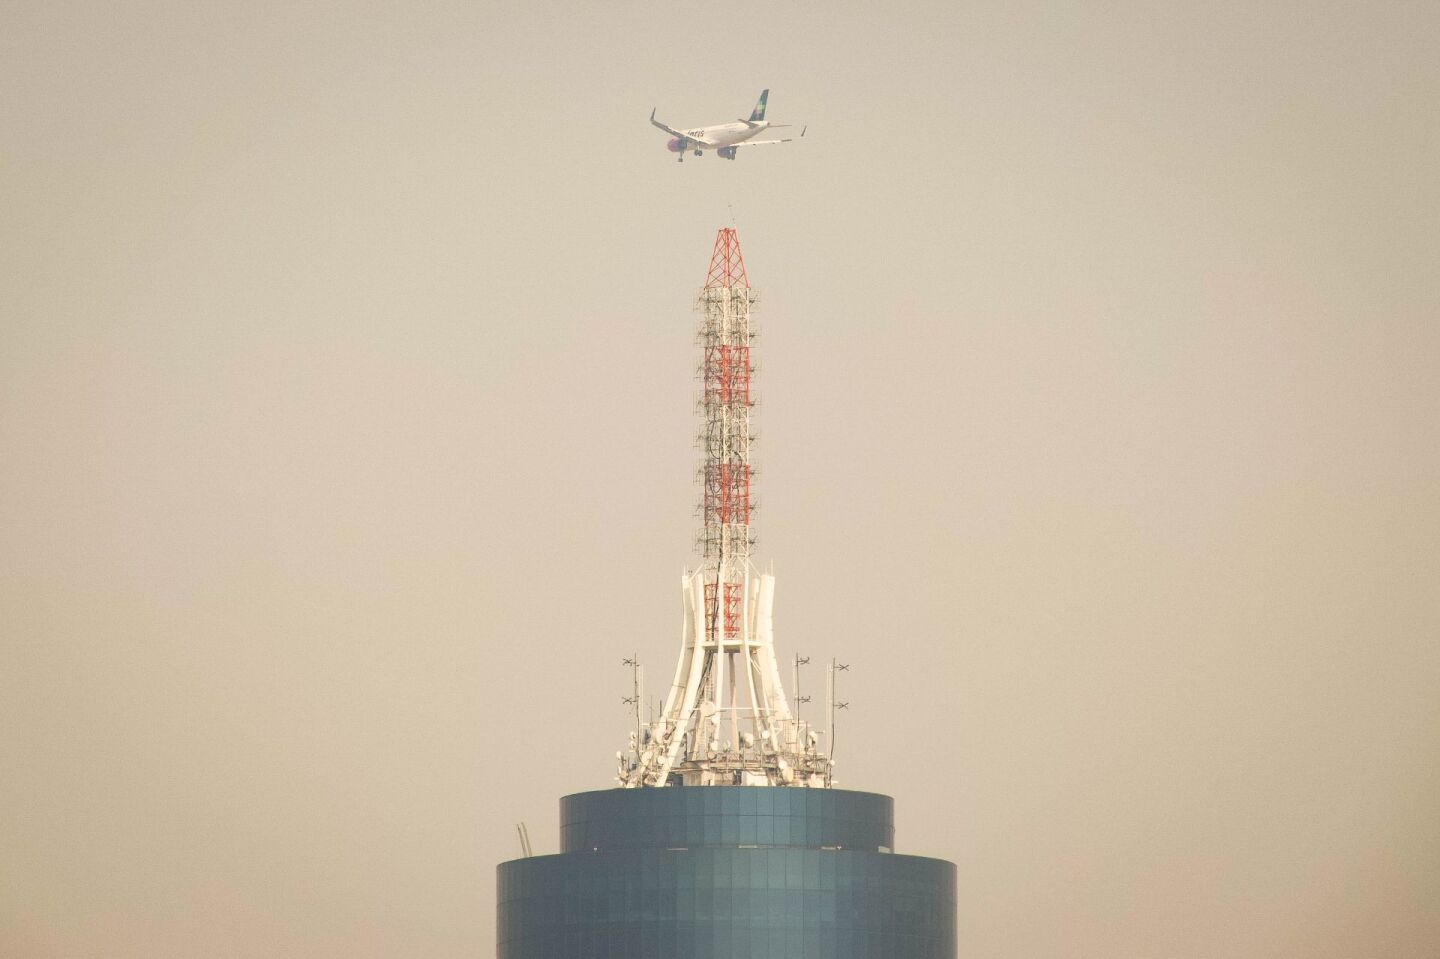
[(636, 698), (835, 667), (524, 835)]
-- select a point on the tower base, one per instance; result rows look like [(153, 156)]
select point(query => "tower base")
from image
[(726, 872)]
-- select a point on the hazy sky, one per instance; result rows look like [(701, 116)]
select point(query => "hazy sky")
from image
[(345, 383)]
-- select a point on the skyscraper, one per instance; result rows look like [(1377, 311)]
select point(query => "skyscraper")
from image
[(726, 837)]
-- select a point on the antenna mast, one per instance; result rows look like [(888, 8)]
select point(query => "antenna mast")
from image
[(726, 720)]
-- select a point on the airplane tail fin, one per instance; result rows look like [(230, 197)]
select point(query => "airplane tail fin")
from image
[(759, 112)]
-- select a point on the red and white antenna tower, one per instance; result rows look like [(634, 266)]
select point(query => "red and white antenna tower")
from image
[(726, 720)]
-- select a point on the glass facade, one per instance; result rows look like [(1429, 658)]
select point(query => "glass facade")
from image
[(698, 887), (726, 816)]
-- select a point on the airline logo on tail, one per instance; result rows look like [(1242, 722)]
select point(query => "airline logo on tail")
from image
[(759, 112)]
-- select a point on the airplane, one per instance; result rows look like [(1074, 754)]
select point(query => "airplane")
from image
[(723, 138)]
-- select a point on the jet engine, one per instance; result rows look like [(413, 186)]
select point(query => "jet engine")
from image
[(726, 152)]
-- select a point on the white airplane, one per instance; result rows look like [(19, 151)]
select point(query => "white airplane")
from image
[(723, 138)]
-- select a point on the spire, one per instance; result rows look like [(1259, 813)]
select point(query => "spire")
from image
[(727, 266), (726, 720)]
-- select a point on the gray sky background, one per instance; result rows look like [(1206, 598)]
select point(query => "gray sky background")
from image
[(345, 383)]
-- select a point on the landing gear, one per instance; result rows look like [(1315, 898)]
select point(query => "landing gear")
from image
[(699, 153)]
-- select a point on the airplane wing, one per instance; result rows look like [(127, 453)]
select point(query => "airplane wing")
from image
[(676, 133), (758, 143)]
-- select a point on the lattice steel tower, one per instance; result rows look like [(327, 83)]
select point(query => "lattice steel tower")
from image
[(726, 720)]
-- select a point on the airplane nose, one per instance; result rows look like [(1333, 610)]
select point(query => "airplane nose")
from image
[(676, 145)]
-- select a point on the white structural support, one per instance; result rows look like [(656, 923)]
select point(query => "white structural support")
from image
[(726, 720)]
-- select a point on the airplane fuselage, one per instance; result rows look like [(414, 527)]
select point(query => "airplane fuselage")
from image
[(719, 135)]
